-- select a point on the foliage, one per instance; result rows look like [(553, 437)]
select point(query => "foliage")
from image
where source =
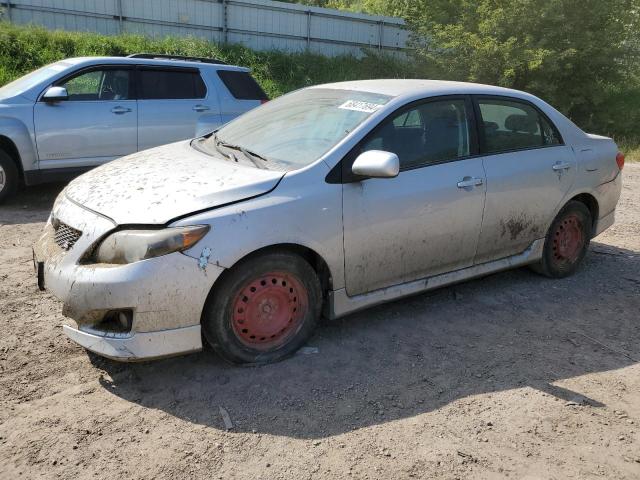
[(23, 49), (579, 55)]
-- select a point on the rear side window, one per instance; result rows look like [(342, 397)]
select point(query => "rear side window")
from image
[(511, 125), (156, 84), (242, 85)]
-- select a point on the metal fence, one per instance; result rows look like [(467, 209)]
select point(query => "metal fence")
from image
[(258, 24)]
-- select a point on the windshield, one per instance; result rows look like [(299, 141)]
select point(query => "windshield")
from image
[(29, 80), (297, 129)]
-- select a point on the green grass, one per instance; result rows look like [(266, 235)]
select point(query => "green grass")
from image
[(25, 48)]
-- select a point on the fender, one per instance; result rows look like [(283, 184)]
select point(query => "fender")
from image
[(244, 227), (16, 131)]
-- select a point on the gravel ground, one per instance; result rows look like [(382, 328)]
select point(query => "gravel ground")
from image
[(509, 376)]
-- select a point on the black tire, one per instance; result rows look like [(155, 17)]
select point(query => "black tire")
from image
[(567, 241), (9, 177), (221, 322)]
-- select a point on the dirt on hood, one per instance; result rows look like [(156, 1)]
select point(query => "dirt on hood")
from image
[(160, 184)]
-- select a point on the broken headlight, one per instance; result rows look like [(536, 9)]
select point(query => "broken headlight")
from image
[(128, 246)]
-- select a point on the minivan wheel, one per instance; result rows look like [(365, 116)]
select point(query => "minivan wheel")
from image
[(263, 309), (8, 176), (567, 241)]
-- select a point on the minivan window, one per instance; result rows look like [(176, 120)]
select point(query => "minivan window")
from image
[(430, 133), (157, 84), (108, 84), (242, 85), (297, 129), (511, 125)]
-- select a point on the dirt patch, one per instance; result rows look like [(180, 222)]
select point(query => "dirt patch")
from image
[(509, 376)]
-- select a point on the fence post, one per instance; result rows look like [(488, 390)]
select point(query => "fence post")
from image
[(225, 24), (9, 10), (308, 29), (380, 33), (119, 8)]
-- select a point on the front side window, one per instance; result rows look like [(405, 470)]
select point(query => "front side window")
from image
[(108, 84), (156, 84), (297, 129), (510, 125), (430, 133)]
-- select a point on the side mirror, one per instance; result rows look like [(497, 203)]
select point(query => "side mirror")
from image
[(55, 94), (376, 164)]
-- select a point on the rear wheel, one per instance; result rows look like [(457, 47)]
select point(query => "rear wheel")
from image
[(8, 176), (263, 309), (567, 241)]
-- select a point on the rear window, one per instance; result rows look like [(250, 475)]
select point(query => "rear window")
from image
[(242, 85), (156, 84)]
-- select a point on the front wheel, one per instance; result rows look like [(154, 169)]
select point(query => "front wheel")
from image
[(263, 309), (8, 176), (567, 241)]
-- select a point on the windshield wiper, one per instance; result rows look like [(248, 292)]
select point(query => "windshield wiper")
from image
[(216, 145), (247, 153)]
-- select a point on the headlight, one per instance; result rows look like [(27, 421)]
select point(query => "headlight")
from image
[(128, 246)]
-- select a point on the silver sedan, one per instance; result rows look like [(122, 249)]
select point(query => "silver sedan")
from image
[(325, 201)]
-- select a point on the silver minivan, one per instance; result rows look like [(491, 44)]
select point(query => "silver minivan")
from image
[(82, 112)]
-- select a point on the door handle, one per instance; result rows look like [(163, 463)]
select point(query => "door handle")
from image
[(200, 108), (561, 166), (467, 182), (120, 110)]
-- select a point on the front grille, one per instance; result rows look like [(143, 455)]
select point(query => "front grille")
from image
[(65, 236)]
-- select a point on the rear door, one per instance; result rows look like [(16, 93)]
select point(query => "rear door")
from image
[(172, 102), (425, 221), (97, 123), (529, 171)]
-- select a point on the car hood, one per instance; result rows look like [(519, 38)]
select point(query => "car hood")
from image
[(158, 185)]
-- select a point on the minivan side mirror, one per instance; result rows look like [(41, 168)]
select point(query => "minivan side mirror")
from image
[(376, 164), (55, 94)]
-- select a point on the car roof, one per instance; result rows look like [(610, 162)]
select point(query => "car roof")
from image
[(407, 90), (419, 88), (87, 61)]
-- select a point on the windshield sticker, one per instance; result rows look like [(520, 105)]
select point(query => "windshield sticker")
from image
[(359, 106)]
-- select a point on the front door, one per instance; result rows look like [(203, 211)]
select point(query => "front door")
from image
[(427, 220), (529, 172), (96, 124)]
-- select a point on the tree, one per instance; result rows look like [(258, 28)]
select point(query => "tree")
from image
[(573, 53)]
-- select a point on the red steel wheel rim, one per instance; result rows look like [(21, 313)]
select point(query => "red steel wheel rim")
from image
[(568, 240), (269, 309)]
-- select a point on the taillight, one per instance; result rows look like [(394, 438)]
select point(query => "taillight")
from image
[(620, 160), (264, 100)]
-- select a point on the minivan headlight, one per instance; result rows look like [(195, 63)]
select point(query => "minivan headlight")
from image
[(128, 246)]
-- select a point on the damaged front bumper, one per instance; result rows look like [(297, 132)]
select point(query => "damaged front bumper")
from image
[(139, 346), (161, 299)]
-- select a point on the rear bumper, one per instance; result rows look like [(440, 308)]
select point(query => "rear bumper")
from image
[(603, 223), (139, 346), (607, 196)]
